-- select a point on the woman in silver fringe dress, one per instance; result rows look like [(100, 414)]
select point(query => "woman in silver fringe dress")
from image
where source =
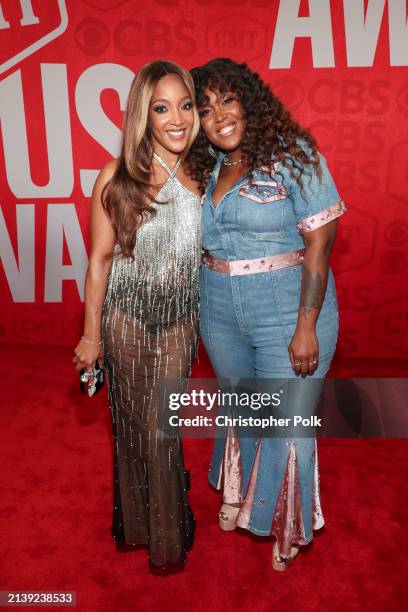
[(148, 325)]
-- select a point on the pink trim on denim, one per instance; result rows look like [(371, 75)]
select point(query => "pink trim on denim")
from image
[(254, 266), (321, 218)]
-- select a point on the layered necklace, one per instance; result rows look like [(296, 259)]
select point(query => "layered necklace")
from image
[(227, 162)]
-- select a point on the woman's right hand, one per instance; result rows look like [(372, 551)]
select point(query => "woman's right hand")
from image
[(86, 354)]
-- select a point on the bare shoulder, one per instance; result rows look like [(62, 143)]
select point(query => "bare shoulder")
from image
[(101, 223), (102, 180), (108, 170), (106, 173), (110, 167)]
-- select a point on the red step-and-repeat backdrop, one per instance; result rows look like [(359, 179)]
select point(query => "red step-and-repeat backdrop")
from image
[(65, 71)]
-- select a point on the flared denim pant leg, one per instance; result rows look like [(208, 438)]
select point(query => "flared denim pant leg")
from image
[(246, 326)]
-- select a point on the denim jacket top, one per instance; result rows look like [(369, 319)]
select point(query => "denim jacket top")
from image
[(269, 215)]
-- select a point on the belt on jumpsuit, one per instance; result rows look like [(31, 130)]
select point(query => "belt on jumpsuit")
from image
[(253, 266)]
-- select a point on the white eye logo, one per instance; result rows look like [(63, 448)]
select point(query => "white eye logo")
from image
[(33, 24)]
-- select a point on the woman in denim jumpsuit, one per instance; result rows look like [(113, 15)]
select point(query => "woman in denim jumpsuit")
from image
[(251, 284)]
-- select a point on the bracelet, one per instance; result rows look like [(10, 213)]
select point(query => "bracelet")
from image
[(90, 342)]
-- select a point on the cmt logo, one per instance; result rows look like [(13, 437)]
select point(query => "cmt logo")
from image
[(237, 36), (25, 27)]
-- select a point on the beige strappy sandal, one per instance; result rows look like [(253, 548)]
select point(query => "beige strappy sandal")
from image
[(227, 517), (279, 563)]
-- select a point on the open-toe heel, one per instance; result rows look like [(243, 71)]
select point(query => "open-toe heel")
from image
[(279, 563), (227, 517)]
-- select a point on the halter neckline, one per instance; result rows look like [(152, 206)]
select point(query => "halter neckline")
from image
[(171, 173)]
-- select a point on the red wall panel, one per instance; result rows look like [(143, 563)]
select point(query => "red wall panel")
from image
[(340, 66)]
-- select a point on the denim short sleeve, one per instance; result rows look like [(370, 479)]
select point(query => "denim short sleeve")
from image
[(318, 201)]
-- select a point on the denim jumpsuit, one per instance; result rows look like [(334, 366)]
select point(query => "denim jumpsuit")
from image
[(247, 322)]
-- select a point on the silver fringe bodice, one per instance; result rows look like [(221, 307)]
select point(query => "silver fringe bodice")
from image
[(161, 284)]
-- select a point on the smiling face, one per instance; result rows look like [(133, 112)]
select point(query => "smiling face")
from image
[(222, 119), (171, 115)]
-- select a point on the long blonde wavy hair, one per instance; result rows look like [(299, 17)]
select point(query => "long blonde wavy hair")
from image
[(127, 197)]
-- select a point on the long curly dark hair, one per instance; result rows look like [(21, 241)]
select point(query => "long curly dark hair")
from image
[(271, 135)]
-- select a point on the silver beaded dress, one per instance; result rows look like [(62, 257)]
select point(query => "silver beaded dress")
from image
[(150, 329)]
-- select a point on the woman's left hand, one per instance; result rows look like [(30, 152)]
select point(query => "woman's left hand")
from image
[(304, 351)]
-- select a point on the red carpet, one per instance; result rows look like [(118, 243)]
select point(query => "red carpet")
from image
[(56, 514)]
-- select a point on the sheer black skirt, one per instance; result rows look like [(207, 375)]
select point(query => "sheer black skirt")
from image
[(151, 485)]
